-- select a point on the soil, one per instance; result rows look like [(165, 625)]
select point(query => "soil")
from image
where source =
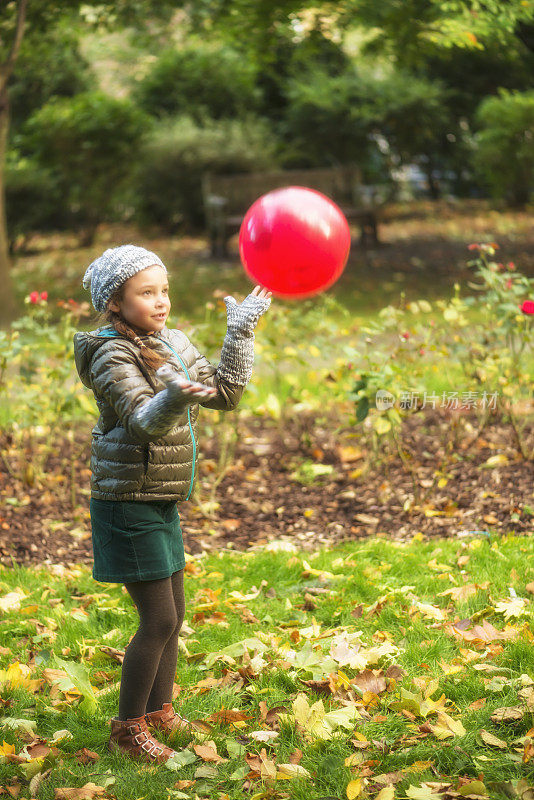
[(260, 497)]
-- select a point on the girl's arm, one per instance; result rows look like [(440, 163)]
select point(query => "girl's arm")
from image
[(115, 376), (237, 352)]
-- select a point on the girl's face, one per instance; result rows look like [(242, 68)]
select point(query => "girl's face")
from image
[(145, 300)]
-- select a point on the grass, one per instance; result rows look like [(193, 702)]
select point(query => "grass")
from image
[(389, 591)]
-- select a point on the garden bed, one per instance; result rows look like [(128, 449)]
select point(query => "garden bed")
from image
[(304, 481)]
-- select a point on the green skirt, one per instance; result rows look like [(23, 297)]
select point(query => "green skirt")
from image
[(134, 540)]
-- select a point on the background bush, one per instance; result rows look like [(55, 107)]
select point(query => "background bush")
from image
[(505, 153), (89, 144), (48, 66), (177, 153), (33, 199), (199, 80)]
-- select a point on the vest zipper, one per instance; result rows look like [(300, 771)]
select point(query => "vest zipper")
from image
[(189, 421)]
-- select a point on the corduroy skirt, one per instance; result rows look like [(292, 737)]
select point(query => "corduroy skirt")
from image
[(135, 540)]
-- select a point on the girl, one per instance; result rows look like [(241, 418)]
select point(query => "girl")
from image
[(148, 382)]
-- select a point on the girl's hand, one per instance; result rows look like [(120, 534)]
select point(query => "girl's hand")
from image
[(258, 291), (243, 317), (180, 386)]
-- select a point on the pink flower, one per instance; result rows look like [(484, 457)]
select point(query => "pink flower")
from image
[(405, 335), (422, 351), (44, 295), (511, 265), (34, 297), (509, 283), (473, 247), (527, 307)]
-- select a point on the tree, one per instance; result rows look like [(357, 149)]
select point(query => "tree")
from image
[(17, 18)]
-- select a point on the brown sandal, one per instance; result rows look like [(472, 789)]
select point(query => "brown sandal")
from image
[(131, 736), (167, 720)]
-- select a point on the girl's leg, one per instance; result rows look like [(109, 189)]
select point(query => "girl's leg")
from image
[(157, 614), (161, 691)]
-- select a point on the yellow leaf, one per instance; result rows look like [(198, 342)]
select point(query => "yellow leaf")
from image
[(430, 612), (493, 741), (387, 793), (381, 425), (495, 461), (473, 787), (354, 789), (292, 771)]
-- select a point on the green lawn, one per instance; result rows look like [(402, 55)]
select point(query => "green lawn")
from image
[(353, 646)]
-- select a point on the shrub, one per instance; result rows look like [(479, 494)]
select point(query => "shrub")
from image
[(505, 152), (88, 143), (199, 80), (34, 82), (177, 153), (33, 199)]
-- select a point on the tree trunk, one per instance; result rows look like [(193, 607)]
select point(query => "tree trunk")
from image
[(8, 310)]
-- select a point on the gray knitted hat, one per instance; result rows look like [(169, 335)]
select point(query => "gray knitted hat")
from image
[(115, 266)]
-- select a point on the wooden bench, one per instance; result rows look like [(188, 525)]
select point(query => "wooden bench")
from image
[(227, 198)]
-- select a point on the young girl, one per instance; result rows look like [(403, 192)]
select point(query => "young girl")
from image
[(148, 382)]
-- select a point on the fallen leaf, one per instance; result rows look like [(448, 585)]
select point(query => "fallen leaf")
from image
[(86, 792), (493, 741), (354, 789), (208, 752), (292, 771), (507, 714), (387, 793)]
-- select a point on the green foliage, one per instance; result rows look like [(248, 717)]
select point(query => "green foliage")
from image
[(49, 65), (505, 151), (40, 395), (178, 151), (199, 80), (34, 201), (89, 143), (329, 118), (486, 337)]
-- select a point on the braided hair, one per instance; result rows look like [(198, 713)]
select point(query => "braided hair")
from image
[(151, 358)]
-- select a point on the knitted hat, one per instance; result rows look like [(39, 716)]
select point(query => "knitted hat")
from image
[(115, 266)]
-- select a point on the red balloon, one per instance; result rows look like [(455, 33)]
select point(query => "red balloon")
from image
[(294, 241)]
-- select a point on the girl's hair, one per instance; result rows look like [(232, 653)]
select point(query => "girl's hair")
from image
[(152, 359)]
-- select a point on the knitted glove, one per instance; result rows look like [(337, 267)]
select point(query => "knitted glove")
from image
[(237, 352), (158, 415)]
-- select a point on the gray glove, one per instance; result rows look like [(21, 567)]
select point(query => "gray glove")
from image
[(158, 416), (237, 352)]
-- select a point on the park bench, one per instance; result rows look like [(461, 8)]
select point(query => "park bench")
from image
[(227, 198)]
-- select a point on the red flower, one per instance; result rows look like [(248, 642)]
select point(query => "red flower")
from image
[(511, 265), (405, 335), (473, 247), (527, 307), (422, 351), (34, 297), (44, 295)]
